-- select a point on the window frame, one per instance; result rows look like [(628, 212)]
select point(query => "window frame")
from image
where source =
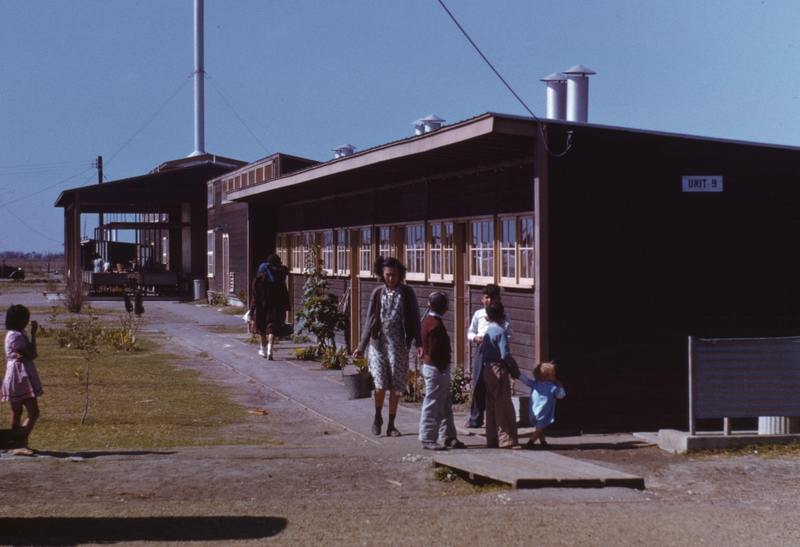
[(210, 195), (445, 252), (210, 262), (472, 276), (297, 253), (416, 264), (520, 252), (366, 251), (342, 252)]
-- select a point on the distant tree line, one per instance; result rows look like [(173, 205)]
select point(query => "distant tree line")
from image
[(16, 255)]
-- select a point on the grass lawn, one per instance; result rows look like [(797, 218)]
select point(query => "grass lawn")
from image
[(141, 400)]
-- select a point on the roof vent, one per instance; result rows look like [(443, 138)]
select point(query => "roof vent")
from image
[(578, 93), (556, 96), (428, 124), (343, 150)]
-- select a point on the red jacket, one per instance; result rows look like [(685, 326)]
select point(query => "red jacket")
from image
[(435, 343)]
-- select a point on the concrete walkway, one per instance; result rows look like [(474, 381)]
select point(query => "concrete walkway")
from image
[(323, 393)]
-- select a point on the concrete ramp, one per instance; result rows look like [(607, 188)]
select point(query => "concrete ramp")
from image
[(527, 469)]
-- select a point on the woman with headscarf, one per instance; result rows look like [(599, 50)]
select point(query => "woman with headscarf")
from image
[(391, 325), (269, 302)]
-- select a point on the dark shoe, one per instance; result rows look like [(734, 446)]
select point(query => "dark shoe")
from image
[(543, 442), (432, 446), (392, 433), (454, 443), (376, 429), (529, 445), (469, 425)]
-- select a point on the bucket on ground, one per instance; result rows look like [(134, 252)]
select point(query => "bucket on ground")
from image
[(357, 386), (199, 289)]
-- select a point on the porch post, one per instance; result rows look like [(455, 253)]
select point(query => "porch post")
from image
[(541, 296)]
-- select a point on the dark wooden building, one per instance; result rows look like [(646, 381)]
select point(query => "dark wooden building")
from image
[(608, 256), (241, 236), (164, 215)]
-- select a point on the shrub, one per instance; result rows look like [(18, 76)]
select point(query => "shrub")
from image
[(459, 385), (306, 354), (75, 294), (335, 359)]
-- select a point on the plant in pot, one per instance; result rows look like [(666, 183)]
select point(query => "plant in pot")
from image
[(319, 312)]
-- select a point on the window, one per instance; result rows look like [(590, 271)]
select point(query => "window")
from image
[(297, 253), (516, 251), (343, 252), (311, 251), (415, 251), (508, 251), (481, 251), (441, 251), (282, 248), (165, 252), (210, 252), (385, 242), (365, 252), (327, 251), (224, 187), (210, 191)]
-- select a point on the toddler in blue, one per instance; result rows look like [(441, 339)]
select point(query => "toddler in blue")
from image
[(544, 392)]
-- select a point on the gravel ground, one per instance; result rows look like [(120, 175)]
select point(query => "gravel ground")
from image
[(322, 484)]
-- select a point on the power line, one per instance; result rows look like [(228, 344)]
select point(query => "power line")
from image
[(152, 117), (214, 85), (541, 129), (29, 227), (6, 204)]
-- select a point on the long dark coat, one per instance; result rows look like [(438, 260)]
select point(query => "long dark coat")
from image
[(269, 301)]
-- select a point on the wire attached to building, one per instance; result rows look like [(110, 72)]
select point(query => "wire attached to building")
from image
[(214, 85), (535, 117)]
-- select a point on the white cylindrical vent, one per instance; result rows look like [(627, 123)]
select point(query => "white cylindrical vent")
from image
[(578, 93), (777, 425), (427, 124), (556, 96), (343, 150)]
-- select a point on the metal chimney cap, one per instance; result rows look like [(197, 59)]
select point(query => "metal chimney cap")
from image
[(555, 77), (432, 118), (346, 146), (580, 70)]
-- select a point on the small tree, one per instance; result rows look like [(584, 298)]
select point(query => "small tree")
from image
[(75, 294), (319, 314), (83, 336)]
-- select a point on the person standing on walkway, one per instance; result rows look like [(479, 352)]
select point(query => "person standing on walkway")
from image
[(498, 365), (269, 302), (544, 392), (21, 384), (477, 329), (436, 421), (392, 324)]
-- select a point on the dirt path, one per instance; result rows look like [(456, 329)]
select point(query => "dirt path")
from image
[(321, 483)]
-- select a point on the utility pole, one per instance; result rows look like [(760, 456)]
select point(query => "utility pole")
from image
[(99, 165)]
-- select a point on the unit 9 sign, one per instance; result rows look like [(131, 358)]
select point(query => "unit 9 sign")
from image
[(702, 184)]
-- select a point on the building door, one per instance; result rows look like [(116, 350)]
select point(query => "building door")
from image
[(226, 285)]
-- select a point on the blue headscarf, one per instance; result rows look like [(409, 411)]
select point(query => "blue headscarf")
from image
[(265, 269)]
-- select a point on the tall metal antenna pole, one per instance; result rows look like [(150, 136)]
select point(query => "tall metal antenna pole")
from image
[(199, 82)]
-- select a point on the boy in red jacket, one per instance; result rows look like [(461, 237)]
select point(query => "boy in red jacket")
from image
[(436, 421)]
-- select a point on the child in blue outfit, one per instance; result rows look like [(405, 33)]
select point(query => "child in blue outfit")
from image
[(544, 392)]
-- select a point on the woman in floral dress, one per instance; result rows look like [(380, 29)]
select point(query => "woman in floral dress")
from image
[(392, 324)]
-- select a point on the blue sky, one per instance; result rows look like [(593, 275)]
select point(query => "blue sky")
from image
[(80, 79)]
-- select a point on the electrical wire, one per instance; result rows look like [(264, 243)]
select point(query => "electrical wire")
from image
[(7, 203), (29, 227), (214, 85), (151, 118), (535, 117)]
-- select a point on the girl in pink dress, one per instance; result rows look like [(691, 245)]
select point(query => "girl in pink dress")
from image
[(21, 385)]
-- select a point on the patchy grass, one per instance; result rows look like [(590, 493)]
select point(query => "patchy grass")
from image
[(142, 400), (762, 450), (226, 329), (233, 310)]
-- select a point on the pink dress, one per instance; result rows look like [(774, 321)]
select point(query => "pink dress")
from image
[(21, 381)]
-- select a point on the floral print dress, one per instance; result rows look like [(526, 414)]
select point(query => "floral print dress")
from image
[(388, 362)]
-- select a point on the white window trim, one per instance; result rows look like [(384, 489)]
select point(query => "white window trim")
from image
[(342, 257), (210, 262), (481, 279), (517, 281), (297, 258), (415, 276), (441, 277), (325, 252), (371, 252), (210, 195)]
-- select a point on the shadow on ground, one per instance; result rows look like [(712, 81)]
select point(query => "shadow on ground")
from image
[(77, 531)]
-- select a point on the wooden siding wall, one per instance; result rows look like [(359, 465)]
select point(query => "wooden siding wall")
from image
[(494, 191), (519, 307), (637, 265)]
